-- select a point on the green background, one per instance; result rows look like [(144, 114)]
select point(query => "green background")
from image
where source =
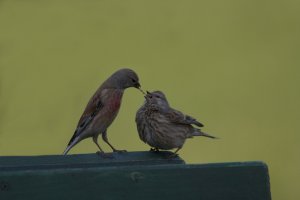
[(234, 65)]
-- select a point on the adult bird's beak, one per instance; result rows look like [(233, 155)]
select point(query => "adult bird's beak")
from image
[(138, 86)]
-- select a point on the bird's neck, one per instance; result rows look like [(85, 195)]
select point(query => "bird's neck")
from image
[(154, 107)]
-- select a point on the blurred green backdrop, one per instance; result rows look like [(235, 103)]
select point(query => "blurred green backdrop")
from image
[(232, 64)]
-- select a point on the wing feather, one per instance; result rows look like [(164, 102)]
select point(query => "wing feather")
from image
[(178, 117), (93, 107)]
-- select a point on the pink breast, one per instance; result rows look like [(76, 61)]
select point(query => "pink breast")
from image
[(115, 104), (115, 101)]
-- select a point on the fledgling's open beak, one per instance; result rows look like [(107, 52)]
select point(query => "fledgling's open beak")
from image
[(148, 95)]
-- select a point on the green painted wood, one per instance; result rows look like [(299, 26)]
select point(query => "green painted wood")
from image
[(85, 160), (130, 176)]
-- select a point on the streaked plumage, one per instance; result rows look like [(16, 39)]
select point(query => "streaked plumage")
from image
[(163, 127), (103, 107)]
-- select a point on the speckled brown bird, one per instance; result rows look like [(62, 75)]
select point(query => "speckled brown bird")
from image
[(163, 127), (103, 108)]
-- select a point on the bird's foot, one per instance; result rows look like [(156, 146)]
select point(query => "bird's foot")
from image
[(155, 150), (104, 155), (173, 155), (119, 151)]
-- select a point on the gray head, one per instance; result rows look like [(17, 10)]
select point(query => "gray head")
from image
[(157, 98), (122, 79)]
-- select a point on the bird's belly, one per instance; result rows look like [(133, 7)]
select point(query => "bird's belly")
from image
[(102, 122), (163, 138), (157, 131)]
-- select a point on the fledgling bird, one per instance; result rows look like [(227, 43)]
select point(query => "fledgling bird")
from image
[(163, 127), (103, 107)]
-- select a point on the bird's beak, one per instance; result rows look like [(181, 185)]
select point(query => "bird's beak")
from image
[(148, 95), (138, 86), (142, 91)]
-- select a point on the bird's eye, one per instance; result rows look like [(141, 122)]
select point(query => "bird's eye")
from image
[(133, 80)]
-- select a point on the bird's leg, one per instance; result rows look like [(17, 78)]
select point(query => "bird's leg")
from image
[(104, 137), (174, 155), (101, 152), (177, 150), (95, 139), (154, 149)]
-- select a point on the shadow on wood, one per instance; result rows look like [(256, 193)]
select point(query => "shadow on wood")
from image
[(134, 175)]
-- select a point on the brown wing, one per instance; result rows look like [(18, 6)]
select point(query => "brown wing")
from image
[(92, 108), (178, 117)]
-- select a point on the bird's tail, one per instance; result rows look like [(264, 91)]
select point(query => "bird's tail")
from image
[(71, 145), (198, 132)]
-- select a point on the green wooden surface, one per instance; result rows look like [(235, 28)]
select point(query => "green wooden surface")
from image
[(85, 160), (135, 175)]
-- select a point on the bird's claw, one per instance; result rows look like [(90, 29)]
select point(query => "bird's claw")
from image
[(173, 155), (104, 155), (154, 150)]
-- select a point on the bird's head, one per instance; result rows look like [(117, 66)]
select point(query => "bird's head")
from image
[(125, 78), (157, 98)]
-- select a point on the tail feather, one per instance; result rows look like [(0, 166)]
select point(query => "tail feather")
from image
[(71, 145), (67, 150), (198, 132)]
